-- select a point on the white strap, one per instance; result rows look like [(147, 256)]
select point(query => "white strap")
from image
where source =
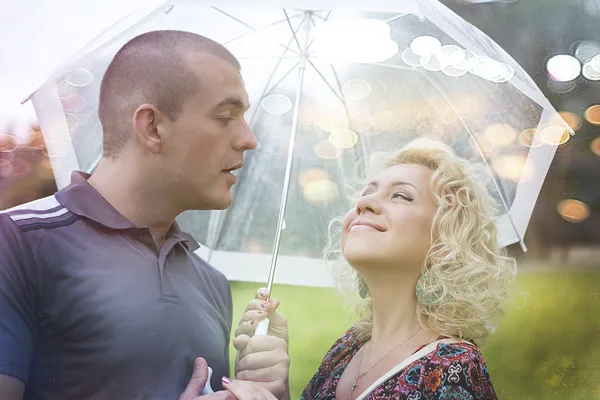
[(406, 362)]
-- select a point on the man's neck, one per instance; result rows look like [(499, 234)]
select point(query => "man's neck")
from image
[(132, 195)]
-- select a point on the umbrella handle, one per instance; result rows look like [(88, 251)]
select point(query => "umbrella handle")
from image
[(262, 328), (207, 388)]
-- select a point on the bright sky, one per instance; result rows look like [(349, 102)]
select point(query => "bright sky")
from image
[(36, 36)]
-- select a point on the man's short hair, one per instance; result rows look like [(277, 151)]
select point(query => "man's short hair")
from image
[(150, 68)]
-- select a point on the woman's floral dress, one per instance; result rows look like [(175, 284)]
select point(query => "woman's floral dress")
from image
[(454, 371)]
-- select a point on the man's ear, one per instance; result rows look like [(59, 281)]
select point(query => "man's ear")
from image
[(146, 120)]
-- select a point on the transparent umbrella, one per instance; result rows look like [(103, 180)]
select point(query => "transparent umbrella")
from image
[(332, 85)]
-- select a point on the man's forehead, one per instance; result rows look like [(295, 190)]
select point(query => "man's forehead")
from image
[(221, 78)]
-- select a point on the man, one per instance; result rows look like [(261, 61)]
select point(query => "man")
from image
[(101, 295)]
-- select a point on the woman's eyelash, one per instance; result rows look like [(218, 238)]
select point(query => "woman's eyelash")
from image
[(404, 196)]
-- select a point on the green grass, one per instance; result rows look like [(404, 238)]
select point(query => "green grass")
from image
[(548, 349)]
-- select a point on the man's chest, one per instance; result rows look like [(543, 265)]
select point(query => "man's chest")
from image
[(112, 305)]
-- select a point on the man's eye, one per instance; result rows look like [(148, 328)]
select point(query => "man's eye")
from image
[(226, 120)]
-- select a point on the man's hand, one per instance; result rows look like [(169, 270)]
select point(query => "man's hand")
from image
[(197, 382), (263, 359)]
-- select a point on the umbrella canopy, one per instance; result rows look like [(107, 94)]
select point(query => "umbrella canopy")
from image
[(333, 86)]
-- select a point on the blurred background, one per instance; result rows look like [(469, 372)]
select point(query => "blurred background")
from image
[(548, 345)]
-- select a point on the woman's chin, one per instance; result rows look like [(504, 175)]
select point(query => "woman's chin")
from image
[(363, 256)]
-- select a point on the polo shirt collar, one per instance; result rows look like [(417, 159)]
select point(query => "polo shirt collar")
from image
[(82, 199)]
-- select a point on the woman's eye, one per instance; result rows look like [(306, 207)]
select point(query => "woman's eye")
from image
[(402, 196)]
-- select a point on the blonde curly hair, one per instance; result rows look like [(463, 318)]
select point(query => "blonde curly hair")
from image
[(465, 269)]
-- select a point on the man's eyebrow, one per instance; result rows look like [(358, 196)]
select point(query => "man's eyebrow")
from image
[(395, 183), (233, 101)]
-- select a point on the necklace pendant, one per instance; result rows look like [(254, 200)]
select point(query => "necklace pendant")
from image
[(353, 388)]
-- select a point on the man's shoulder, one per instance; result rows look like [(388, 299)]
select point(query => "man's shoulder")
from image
[(214, 273), (44, 213)]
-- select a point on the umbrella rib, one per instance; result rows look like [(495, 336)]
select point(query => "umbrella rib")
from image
[(235, 18), (396, 17), (287, 18), (279, 81), (327, 83), (253, 29)]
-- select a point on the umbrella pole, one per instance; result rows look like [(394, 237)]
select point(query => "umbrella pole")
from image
[(288, 168), (263, 326)]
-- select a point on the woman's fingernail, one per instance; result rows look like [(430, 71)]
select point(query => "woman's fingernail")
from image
[(226, 380), (264, 305), (264, 293)]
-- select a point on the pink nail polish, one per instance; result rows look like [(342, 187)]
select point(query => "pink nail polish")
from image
[(264, 293), (226, 380), (264, 305)]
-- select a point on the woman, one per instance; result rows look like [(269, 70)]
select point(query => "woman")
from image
[(422, 247)]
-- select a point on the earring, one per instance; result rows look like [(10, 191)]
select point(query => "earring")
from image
[(363, 290), (425, 296)]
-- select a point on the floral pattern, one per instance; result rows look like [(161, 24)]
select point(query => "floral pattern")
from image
[(454, 371), (433, 380)]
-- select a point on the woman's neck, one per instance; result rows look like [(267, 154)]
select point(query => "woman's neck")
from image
[(394, 308)]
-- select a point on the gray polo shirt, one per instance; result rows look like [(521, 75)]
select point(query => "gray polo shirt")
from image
[(90, 309)]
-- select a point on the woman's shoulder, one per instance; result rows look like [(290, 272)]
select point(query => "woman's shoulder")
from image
[(448, 351), (451, 370), (456, 368)]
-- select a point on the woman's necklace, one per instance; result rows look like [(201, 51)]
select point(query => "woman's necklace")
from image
[(360, 375)]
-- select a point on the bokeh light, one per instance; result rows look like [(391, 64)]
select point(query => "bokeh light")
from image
[(8, 143), (312, 174), (74, 103), (595, 146), (529, 139), (410, 58), (514, 168), (79, 77), (343, 138), (563, 67), (555, 135), (572, 119), (425, 45), (320, 192), (356, 89), (573, 210), (276, 104), (592, 114), (590, 71), (500, 134)]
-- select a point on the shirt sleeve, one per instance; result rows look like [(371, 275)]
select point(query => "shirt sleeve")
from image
[(17, 302)]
